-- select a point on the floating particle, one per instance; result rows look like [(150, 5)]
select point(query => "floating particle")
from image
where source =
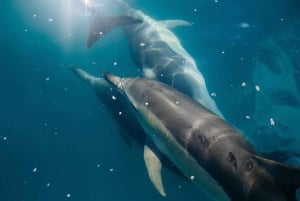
[(142, 44), (55, 133), (244, 25), (120, 113), (101, 33), (247, 117), (192, 177), (68, 195), (177, 102), (45, 124), (216, 1), (34, 170), (114, 98), (4, 138), (161, 75), (146, 103), (179, 186), (257, 88), (242, 59), (223, 52), (98, 165), (272, 122), (48, 185), (281, 19), (243, 84), (93, 62), (50, 20), (213, 94), (195, 9), (26, 30), (115, 63), (111, 169), (47, 78), (34, 15)]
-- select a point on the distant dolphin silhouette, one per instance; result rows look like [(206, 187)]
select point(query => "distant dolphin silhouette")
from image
[(157, 51), (203, 146)]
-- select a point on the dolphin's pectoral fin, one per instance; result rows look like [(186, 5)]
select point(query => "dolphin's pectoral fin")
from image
[(153, 165), (101, 25), (174, 23), (287, 177)]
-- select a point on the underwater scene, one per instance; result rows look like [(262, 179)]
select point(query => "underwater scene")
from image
[(215, 115)]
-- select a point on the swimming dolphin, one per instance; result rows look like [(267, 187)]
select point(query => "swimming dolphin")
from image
[(157, 51), (131, 130), (213, 154)]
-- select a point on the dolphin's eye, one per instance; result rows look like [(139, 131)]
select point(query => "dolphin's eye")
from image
[(249, 166)]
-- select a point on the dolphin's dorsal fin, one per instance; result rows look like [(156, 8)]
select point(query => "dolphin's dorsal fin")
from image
[(153, 165), (174, 23), (287, 177)]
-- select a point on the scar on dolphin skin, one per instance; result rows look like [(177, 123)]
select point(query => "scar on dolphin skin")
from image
[(231, 159)]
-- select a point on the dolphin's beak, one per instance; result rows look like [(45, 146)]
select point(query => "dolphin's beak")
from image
[(113, 80)]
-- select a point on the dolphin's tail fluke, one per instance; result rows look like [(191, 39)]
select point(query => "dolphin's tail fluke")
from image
[(286, 177), (101, 25)]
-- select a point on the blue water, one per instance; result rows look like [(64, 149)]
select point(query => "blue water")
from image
[(58, 142)]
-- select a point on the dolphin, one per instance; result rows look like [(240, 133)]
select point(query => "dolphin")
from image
[(130, 129), (208, 151), (132, 132), (157, 51)]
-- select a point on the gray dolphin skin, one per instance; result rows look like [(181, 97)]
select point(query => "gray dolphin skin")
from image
[(132, 132), (208, 151), (130, 129), (156, 51)]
